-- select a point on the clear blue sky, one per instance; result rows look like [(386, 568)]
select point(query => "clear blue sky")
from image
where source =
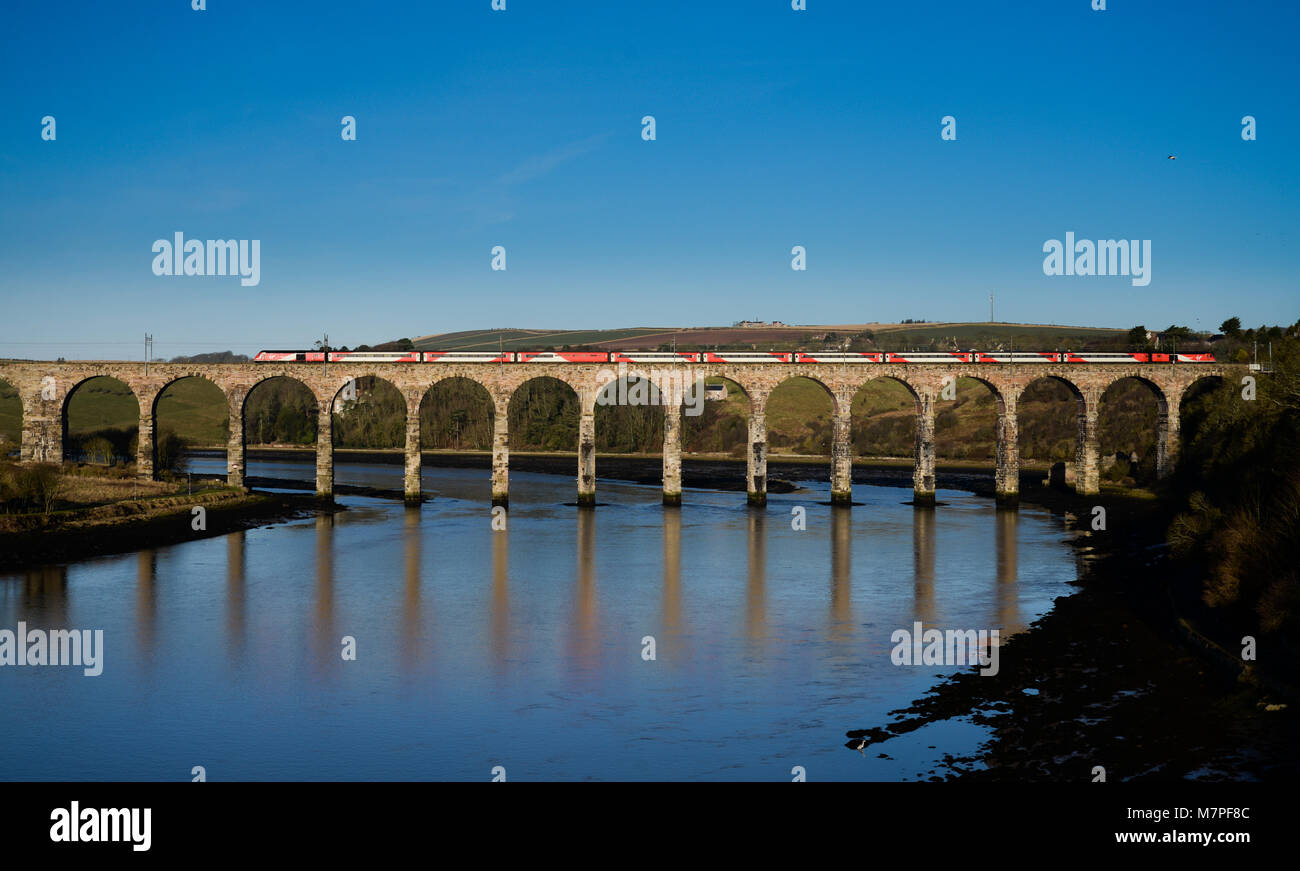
[(775, 128)]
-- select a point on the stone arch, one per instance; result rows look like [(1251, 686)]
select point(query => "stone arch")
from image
[(563, 411), (1046, 435), (249, 412), (1133, 434), (384, 426), (889, 432), (98, 424), (1200, 384), (155, 410), (963, 425), (722, 425), (811, 390), (12, 415), (628, 412), (435, 436)]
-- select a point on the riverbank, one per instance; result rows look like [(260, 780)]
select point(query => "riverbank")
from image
[(132, 524), (1115, 681)]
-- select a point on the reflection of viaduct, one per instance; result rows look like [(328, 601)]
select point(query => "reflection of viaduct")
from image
[(46, 387)]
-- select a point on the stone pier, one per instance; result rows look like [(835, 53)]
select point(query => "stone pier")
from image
[(1168, 429), (672, 474), (325, 447), (923, 469), (411, 488), (44, 388), (756, 455), (235, 439), (587, 458), (1087, 480), (842, 453), (146, 450), (1007, 485), (501, 452)]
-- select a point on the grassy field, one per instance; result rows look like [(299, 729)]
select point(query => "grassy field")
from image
[(527, 340), (889, 336), (194, 408)]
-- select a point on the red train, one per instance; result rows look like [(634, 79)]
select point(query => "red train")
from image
[(725, 357)]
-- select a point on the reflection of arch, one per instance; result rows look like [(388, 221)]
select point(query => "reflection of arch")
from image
[(9, 396), (76, 388)]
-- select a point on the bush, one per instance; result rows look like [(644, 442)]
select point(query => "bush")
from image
[(27, 488)]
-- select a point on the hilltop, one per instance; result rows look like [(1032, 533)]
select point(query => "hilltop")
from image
[(784, 337)]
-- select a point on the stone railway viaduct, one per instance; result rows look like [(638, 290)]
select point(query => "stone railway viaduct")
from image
[(45, 388)]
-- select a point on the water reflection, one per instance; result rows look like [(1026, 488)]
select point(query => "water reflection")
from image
[(45, 591), (1006, 536), (146, 602), (501, 596), (923, 564), (236, 618), (756, 587), (327, 642), (585, 629), (841, 616), (672, 592), (773, 656), (409, 640)]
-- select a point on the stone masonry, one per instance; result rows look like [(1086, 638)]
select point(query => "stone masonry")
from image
[(44, 388)]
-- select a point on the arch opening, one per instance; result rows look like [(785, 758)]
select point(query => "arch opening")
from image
[(883, 413), (800, 412), (1048, 416), (456, 414), (722, 426), (1128, 419), (280, 411), (189, 413), (101, 422), (966, 427), (629, 416), (543, 415), (11, 422)]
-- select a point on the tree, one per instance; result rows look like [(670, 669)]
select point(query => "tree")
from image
[(1231, 328), (1137, 337)]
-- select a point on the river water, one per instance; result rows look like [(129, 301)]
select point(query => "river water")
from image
[(521, 648)]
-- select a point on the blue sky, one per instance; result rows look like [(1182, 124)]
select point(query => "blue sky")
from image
[(522, 128)]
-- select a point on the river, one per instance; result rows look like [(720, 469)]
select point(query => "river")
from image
[(522, 648)]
